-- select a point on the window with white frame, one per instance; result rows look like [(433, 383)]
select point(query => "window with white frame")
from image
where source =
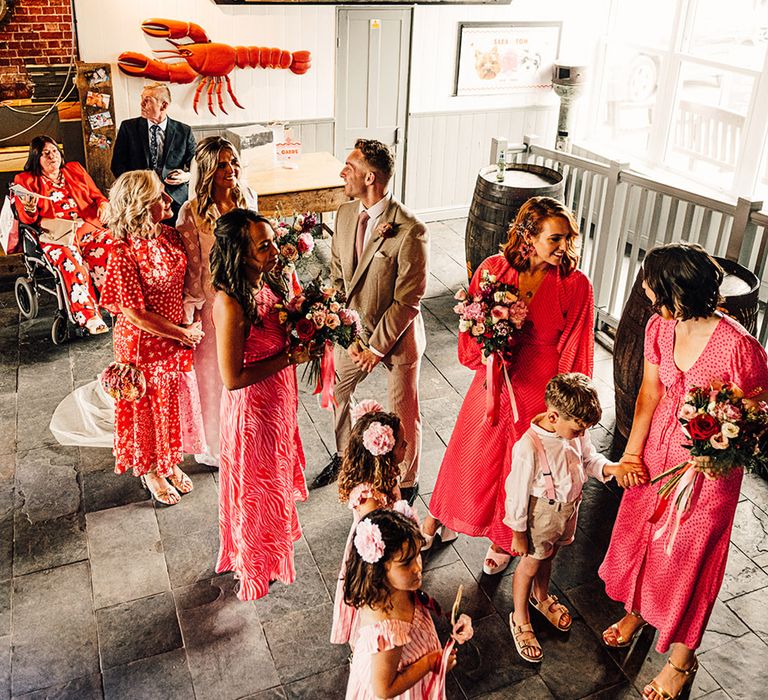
[(681, 87)]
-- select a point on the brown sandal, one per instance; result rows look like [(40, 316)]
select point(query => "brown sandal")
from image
[(523, 645), (556, 615), (621, 641), (689, 674), (183, 485), (163, 497)]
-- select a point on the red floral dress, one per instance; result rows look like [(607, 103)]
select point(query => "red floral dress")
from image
[(148, 274), (82, 264)]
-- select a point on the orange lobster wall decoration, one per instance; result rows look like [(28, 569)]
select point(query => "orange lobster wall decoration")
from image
[(204, 59)]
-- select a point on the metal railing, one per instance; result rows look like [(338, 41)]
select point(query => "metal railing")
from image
[(622, 214)]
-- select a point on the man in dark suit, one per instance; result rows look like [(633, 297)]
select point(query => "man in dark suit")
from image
[(156, 142)]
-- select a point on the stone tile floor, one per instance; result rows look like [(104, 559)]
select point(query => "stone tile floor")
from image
[(102, 595)]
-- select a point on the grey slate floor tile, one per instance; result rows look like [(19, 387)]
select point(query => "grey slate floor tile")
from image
[(224, 638), (84, 688), (54, 629), (137, 629), (162, 677)]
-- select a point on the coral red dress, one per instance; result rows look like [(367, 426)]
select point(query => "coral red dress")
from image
[(675, 593), (148, 274), (557, 337), (261, 473)]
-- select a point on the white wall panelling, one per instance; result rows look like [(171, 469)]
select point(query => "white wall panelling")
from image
[(315, 135), (446, 149)]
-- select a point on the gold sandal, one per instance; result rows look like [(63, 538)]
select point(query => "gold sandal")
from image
[(689, 674), (621, 641), (183, 485), (555, 616), (523, 645), (162, 496)]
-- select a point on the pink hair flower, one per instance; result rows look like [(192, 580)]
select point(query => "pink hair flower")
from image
[(404, 508), (378, 439), (365, 406), (368, 541)]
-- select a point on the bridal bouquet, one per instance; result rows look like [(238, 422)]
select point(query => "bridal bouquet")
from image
[(493, 317), (317, 319), (725, 432)]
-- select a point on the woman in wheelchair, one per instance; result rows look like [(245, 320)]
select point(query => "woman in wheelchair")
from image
[(68, 192)]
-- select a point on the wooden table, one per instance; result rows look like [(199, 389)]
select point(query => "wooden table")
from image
[(315, 185)]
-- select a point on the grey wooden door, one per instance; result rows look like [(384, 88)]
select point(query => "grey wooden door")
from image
[(372, 63)]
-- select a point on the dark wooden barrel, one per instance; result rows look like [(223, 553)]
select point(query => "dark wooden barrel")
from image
[(739, 289), (495, 205)]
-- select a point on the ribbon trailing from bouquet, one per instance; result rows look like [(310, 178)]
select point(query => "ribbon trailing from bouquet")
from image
[(495, 369), (677, 494), (326, 380)]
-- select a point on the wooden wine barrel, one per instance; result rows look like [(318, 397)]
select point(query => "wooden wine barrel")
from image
[(739, 290), (495, 205)]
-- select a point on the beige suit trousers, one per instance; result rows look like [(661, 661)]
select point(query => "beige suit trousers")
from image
[(403, 399)]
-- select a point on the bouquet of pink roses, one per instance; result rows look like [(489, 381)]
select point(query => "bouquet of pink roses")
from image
[(294, 239), (493, 317), (725, 432), (317, 318)]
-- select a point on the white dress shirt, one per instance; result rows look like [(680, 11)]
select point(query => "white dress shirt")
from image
[(374, 213), (572, 463)]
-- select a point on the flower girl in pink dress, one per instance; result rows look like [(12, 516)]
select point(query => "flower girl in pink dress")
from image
[(368, 479), (397, 653)]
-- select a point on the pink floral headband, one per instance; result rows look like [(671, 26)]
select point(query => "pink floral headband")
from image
[(378, 439), (368, 540)]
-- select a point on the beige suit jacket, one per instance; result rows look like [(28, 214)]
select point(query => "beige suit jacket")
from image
[(387, 284)]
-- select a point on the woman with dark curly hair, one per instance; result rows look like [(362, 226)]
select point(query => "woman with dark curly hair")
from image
[(368, 479), (687, 343), (261, 458), (539, 259)]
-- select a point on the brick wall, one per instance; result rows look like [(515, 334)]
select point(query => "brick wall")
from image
[(37, 32)]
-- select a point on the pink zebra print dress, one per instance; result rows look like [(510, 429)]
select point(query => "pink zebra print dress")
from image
[(262, 467)]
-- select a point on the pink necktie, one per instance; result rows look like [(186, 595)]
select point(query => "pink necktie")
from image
[(362, 224)]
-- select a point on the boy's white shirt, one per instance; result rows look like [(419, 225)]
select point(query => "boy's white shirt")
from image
[(572, 462)]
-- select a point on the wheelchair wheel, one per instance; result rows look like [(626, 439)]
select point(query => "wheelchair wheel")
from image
[(26, 298), (59, 330)]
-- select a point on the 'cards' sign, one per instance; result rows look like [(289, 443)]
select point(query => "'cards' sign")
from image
[(288, 151)]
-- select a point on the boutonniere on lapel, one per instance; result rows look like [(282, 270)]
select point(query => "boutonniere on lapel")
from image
[(386, 229)]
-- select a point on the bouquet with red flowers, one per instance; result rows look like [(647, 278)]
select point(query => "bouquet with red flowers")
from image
[(726, 432), (493, 317), (316, 319)]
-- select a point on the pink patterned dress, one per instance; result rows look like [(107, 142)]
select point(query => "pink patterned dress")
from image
[(558, 337), (344, 628), (151, 433), (676, 593), (261, 475), (416, 638)]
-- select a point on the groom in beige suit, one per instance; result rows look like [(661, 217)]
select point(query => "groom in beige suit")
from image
[(379, 258)]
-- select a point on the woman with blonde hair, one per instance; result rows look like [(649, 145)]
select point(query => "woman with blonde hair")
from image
[(540, 259), (217, 190), (143, 288)]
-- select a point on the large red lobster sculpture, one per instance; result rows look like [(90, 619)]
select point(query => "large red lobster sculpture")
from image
[(204, 59)]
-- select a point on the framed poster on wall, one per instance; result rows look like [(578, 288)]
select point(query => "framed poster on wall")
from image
[(497, 58)]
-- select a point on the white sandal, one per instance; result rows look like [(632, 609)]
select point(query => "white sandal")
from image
[(446, 535), (501, 560)]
